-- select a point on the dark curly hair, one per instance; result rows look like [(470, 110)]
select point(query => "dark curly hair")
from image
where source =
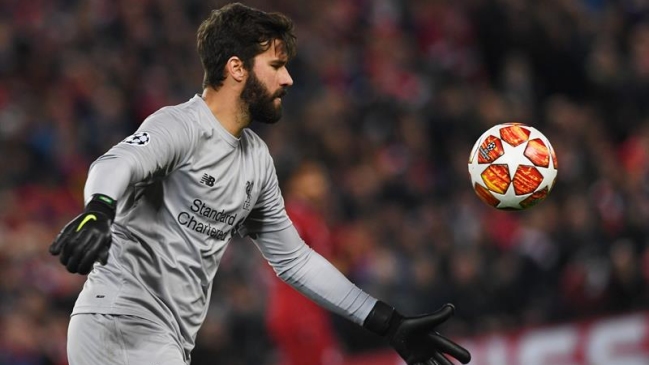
[(242, 31)]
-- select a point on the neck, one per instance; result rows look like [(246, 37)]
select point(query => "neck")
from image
[(227, 109)]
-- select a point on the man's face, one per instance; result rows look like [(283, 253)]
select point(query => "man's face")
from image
[(266, 85)]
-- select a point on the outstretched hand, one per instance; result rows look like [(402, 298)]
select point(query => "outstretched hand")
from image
[(416, 339)]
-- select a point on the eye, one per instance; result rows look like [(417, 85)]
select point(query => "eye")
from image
[(278, 65)]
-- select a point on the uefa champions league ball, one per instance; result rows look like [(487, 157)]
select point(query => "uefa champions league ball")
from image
[(512, 166)]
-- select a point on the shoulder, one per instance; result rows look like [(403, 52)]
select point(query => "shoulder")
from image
[(178, 118), (178, 113)]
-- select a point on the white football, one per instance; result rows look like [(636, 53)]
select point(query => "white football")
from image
[(512, 166)]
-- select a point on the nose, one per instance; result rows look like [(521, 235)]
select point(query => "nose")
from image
[(286, 80)]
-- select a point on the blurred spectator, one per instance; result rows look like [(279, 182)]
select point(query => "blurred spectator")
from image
[(389, 97), (306, 195)]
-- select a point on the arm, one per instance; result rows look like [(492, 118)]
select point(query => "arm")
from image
[(308, 272), (109, 176), (157, 148), (414, 338)]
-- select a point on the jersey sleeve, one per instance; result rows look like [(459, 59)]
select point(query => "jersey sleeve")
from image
[(159, 146), (311, 274)]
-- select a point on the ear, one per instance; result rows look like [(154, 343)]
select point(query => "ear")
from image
[(235, 68)]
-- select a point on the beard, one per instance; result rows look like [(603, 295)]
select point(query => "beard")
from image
[(260, 101)]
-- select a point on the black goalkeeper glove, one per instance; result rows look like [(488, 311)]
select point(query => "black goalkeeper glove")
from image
[(86, 238), (415, 338)]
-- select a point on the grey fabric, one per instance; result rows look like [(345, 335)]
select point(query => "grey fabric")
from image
[(101, 339), (185, 187)]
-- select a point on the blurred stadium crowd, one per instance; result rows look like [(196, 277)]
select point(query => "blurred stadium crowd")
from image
[(389, 97)]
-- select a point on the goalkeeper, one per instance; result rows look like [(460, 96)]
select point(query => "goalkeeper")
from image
[(162, 205)]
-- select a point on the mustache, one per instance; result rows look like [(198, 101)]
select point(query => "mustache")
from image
[(280, 93)]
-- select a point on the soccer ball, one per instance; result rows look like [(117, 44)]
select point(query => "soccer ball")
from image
[(512, 166)]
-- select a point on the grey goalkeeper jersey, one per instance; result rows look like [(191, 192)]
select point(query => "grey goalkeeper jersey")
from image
[(185, 187)]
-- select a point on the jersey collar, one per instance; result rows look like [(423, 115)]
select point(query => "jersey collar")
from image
[(214, 123)]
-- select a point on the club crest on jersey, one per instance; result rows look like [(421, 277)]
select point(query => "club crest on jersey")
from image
[(138, 139), (249, 185)]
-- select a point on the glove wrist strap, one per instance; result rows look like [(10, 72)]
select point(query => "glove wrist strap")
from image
[(103, 204), (382, 318)]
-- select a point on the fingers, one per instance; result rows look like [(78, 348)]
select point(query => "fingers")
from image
[(83, 250), (74, 252), (78, 249), (56, 246), (71, 244), (441, 359), (447, 346), (91, 254), (451, 306), (430, 321)]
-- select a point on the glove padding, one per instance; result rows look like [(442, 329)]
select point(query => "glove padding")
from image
[(87, 238), (415, 338)]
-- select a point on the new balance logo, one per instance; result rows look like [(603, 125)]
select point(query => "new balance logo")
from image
[(208, 180)]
